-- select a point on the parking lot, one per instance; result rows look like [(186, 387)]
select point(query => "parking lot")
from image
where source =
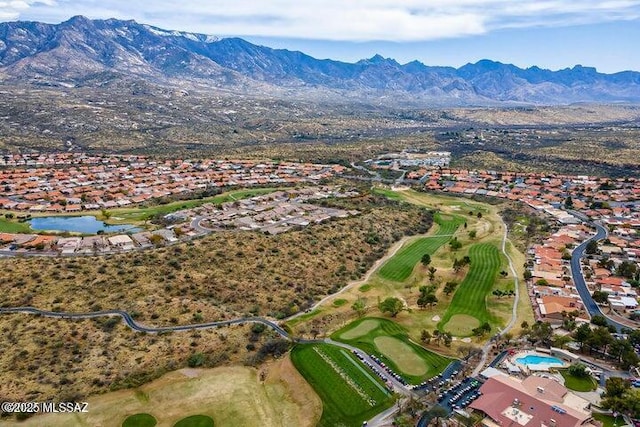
[(460, 395)]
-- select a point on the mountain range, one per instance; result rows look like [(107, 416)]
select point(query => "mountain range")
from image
[(84, 52)]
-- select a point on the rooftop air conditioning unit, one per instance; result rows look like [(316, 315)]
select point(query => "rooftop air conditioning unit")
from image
[(540, 389)]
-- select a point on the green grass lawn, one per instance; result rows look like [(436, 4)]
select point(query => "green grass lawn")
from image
[(350, 393), (389, 194), (470, 297), (141, 214), (608, 420), (434, 363), (195, 421), (303, 318), (7, 226), (140, 420), (401, 265), (577, 383)]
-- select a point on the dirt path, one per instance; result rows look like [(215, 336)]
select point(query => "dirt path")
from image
[(390, 253)]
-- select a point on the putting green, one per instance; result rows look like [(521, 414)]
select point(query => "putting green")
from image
[(461, 324), (362, 329), (195, 421), (402, 355), (140, 420)]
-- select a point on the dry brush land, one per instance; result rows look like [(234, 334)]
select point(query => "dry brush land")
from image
[(222, 276)]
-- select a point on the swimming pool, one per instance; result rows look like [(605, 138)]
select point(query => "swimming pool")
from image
[(532, 359)]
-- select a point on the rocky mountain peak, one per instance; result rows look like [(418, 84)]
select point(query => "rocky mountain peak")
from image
[(74, 51)]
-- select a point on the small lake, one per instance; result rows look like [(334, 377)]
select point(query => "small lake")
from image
[(77, 224)]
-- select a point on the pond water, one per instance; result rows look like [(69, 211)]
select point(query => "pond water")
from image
[(77, 224)]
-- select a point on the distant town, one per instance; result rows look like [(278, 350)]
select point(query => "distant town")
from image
[(73, 182), (272, 213)]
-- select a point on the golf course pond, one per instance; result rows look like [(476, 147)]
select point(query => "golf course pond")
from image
[(77, 224)]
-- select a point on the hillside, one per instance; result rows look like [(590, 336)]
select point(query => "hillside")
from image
[(84, 52)]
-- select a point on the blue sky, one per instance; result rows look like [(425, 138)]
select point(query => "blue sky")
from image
[(549, 33)]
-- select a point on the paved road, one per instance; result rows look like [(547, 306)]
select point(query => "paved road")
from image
[(375, 175), (130, 322), (578, 278), (195, 224)]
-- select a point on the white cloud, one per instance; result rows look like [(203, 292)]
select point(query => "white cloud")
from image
[(11, 10), (353, 20)]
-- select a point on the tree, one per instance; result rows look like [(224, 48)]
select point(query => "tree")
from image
[(606, 263), (560, 341), (599, 320), (569, 319), (634, 337), (578, 370), (426, 259), (437, 336), (568, 203), (447, 338), (600, 339), (425, 336), (450, 287), (156, 239), (627, 269), (507, 336), (195, 360), (620, 397), (582, 334), (391, 305), (473, 234), (540, 332), (618, 347), (482, 329), (431, 298), (435, 413), (629, 359), (427, 296), (600, 297), (468, 350), (592, 247), (422, 301), (455, 244), (432, 272), (360, 306)]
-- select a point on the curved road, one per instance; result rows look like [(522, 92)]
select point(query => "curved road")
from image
[(578, 278), (130, 322)]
